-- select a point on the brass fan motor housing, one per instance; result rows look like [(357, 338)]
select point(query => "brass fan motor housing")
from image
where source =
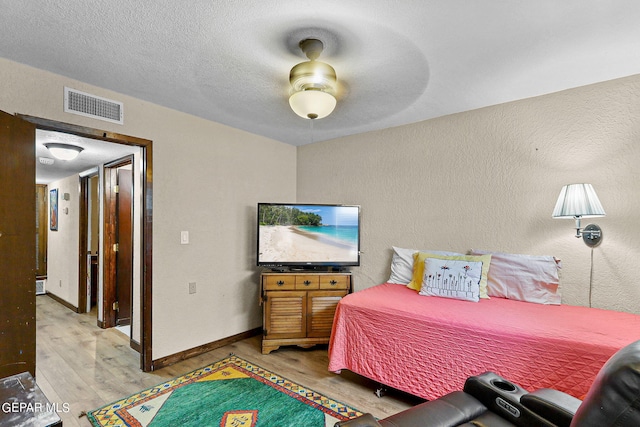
[(312, 75)]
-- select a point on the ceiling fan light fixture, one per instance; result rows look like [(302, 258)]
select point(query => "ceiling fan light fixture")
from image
[(313, 84), (312, 103), (63, 151)]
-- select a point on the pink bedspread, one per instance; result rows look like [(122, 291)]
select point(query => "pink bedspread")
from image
[(428, 346)]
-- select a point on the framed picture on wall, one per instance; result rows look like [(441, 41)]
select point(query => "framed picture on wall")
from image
[(53, 209)]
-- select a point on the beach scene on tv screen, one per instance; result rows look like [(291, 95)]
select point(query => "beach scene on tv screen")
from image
[(313, 233)]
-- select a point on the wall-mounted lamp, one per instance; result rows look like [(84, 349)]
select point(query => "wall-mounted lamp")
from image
[(579, 201), (63, 151)]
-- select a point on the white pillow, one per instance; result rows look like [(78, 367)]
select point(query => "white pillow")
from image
[(452, 279), (402, 264), (528, 278)]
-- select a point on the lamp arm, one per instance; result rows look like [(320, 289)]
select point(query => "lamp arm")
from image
[(578, 232)]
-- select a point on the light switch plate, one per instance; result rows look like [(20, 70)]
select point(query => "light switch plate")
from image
[(184, 237)]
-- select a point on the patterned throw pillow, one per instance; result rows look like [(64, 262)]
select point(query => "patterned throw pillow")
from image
[(418, 268), (456, 279)]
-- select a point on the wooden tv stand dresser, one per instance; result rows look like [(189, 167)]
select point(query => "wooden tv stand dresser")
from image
[(298, 306)]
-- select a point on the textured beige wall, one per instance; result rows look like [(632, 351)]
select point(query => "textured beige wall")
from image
[(489, 179), (208, 179), (62, 245)]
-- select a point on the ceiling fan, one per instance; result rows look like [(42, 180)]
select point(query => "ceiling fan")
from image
[(313, 83)]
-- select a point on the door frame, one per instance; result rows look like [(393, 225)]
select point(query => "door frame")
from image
[(146, 170)]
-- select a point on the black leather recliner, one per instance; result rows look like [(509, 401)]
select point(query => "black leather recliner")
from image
[(489, 400)]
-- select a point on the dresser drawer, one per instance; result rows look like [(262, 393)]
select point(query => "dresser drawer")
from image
[(307, 282), (284, 282), (334, 282)]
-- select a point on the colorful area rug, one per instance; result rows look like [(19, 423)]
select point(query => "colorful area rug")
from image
[(231, 392)]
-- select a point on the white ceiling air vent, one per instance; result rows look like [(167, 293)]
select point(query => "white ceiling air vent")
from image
[(46, 160), (87, 105)]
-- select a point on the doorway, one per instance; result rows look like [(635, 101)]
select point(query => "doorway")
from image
[(145, 212)]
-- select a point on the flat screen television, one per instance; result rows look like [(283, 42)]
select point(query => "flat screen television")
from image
[(308, 236)]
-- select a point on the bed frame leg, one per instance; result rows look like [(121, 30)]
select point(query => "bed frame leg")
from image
[(381, 390)]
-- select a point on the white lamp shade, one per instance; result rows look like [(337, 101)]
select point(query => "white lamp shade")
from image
[(312, 104), (578, 200), (64, 151)]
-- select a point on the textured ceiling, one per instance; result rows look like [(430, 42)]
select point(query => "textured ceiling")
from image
[(397, 62)]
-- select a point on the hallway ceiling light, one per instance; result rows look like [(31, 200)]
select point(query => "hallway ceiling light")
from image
[(313, 83), (63, 151)]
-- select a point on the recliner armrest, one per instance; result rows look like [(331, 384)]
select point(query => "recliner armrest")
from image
[(366, 420), (504, 398), (453, 409), (552, 405)]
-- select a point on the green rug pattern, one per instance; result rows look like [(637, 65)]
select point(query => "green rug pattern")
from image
[(230, 393)]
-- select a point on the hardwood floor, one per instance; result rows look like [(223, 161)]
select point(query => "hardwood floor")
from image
[(87, 367)]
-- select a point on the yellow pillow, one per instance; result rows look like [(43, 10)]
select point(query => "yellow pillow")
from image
[(418, 268)]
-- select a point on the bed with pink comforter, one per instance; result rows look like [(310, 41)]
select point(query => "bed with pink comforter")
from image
[(428, 346)]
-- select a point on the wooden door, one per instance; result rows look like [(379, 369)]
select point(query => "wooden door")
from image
[(284, 314), (124, 257), (321, 308), (17, 246), (118, 251)]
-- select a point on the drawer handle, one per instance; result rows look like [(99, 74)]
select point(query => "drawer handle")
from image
[(280, 282), (307, 282), (333, 283)]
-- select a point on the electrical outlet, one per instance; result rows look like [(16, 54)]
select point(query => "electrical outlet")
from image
[(192, 287)]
